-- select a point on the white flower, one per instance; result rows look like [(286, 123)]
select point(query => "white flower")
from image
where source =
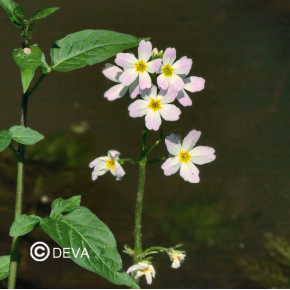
[(103, 164), (138, 68), (143, 268), (176, 257), (185, 156), (118, 91), (155, 106), (170, 73), (191, 84)]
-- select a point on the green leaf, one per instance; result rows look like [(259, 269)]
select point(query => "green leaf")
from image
[(4, 267), (5, 139), (43, 13), (81, 229), (45, 67), (88, 47), (28, 63), (25, 135), (23, 225), (64, 205), (15, 12)]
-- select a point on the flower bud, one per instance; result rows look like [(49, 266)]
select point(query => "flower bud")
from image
[(27, 50)]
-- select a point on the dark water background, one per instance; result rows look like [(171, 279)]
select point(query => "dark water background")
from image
[(241, 48)]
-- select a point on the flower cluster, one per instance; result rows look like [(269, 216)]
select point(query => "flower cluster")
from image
[(160, 80), (138, 75), (146, 268)]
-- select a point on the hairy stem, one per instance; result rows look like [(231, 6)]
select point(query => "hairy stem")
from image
[(139, 202), (155, 248), (19, 196)]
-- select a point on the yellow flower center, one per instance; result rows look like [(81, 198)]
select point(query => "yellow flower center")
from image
[(175, 256), (184, 156), (145, 270), (168, 70), (140, 66), (155, 105), (111, 164)]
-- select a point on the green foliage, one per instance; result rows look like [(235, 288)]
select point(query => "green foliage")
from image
[(80, 229), (45, 67), (43, 13), (64, 205), (28, 63), (25, 135), (88, 47), (4, 267), (23, 225), (15, 13), (5, 139)]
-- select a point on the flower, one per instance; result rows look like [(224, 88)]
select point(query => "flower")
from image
[(176, 257), (143, 268), (155, 106), (138, 68), (170, 73), (118, 91), (103, 164), (27, 50), (185, 156), (191, 84)]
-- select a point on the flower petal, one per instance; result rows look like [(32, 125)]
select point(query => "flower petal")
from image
[(169, 56), (144, 50), (116, 92), (148, 278), (189, 172), (119, 171), (138, 109), (183, 98), (153, 120), (182, 66), (154, 65), (97, 161), (96, 173), (173, 144), (169, 112), (128, 76), (112, 72), (169, 95), (127, 60), (148, 94), (114, 154), (175, 80), (202, 155), (190, 140), (194, 84), (134, 89), (144, 80), (171, 165), (163, 81), (133, 268)]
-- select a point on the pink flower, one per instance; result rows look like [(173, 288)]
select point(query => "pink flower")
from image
[(171, 72), (185, 156), (154, 106), (138, 68)]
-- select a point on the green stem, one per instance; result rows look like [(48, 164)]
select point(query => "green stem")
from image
[(156, 160), (19, 196), (155, 248), (139, 202), (133, 161), (36, 85)]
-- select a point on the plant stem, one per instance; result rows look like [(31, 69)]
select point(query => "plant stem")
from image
[(36, 85), (133, 161), (19, 196), (156, 160), (139, 202), (155, 248)]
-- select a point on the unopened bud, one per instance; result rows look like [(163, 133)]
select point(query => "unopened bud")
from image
[(27, 50), (155, 51)]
